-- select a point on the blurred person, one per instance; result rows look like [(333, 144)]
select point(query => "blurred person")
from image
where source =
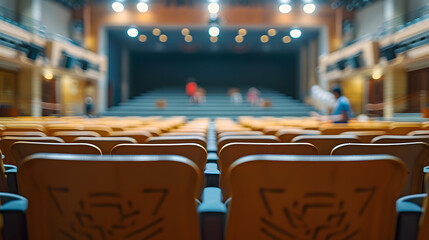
[(341, 112), (191, 88), (200, 95), (253, 96), (235, 96), (89, 106)]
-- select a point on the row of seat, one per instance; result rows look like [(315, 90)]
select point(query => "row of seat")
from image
[(267, 178)]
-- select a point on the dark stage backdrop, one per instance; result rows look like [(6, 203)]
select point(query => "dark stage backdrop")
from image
[(276, 71)]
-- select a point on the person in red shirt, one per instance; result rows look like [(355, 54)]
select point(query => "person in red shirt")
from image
[(191, 88)]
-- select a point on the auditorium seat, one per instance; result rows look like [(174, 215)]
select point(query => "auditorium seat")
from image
[(364, 136), (70, 136), (197, 134), (403, 128), (233, 151), (325, 143), (51, 128), (192, 151), (106, 144), (314, 197), (7, 142), (139, 136), (24, 127), (104, 131), (21, 150), (22, 134), (245, 139), (335, 130), (400, 139), (286, 135), (110, 197), (177, 139), (243, 133), (419, 133), (415, 155)]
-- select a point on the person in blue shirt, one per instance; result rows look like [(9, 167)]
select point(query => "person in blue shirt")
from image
[(342, 112)]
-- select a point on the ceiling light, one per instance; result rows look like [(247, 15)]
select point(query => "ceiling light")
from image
[(295, 33), (285, 8), (242, 32), (188, 38), (117, 6), (185, 31), (142, 7), (286, 39), (239, 39), (264, 38), (309, 8), (142, 38), (156, 32), (163, 38), (48, 75), (377, 75), (213, 39), (272, 32), (214, 31), (132, 32), (213, 7)]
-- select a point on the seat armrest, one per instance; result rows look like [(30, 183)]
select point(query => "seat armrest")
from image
[(10, 172), (409, 210), (212, 214), (211, 175), (212, 157), (13, 210)]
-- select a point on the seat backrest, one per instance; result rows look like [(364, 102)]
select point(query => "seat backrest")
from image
[(325, 143), (414, 154), (21, 150), (403, 128), (192, 151), (70, 136), (419, 133), (51, 128), (400, 139), (104, 131), (110, 197), (106, 144), (244, 133), (139, 136), (177, 139), (286, 135), (233, 151), (246, 139), (22, 134), (314, 197), (365, 136), (24, 127), (7, 142)]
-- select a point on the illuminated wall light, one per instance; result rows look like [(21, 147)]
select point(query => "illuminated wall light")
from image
[(132, 32), (48, 75), (163, 38), (185, 31), (188, 38), (156, 32), (142, 38), (213, 7), (377, 75), (272, 32), (239, 38), (142, 7), (295, 33), (309, 8), (242, 32), (286, 39), (118, 6), (213, 39), (264, 38), (285, 8), (214, 31)]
